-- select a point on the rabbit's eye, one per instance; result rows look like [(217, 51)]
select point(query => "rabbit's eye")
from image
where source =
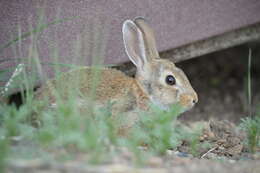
[(170, 80)]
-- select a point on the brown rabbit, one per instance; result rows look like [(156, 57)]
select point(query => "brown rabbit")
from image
[(157, 81)]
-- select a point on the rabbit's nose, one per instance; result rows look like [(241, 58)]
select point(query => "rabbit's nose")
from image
[(191, 100), (188, 100)]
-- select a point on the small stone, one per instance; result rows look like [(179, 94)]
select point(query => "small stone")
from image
[(221, 148), (182, 154), (169, 152), (231, 161)]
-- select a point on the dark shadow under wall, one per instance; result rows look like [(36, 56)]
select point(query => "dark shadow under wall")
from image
[(220, 80)]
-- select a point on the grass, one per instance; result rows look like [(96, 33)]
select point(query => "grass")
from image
[(251, 124), (157, 130), (66, 127)]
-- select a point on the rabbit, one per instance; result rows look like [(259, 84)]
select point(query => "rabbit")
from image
[(157, 81)]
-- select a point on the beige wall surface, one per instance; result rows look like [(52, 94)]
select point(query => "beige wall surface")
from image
[(81, 30)]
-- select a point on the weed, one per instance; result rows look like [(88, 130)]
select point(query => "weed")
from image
[(157, 129), (249, 88), (191, 136), (252, 128), (251, 124)]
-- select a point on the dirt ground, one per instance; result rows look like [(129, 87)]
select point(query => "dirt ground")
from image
[(220, 81), (176, 166)]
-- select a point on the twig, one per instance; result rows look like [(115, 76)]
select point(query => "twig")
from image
[(212, 149)]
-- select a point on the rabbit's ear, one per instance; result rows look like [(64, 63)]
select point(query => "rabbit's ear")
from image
[(149, 38), (134, 44)]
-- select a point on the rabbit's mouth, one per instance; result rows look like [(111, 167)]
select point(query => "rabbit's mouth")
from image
[(168, 107), (187, 108)]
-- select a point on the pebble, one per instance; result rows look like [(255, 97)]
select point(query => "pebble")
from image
[(183, 154), (169, 152)]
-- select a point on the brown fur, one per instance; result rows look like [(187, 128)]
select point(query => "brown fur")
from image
[(111, 85)]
